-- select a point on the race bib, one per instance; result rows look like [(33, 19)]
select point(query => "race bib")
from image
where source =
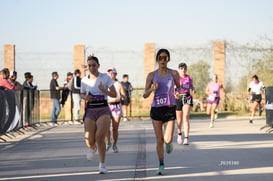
[(185, 86), (114, 107), (162, 100), (211, 98)]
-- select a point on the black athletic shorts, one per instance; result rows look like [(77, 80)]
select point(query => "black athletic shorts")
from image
[(163, 114), (256, 98), (126, 101), (183, 101)]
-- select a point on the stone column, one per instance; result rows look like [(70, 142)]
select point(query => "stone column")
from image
[(219, 68), (79, 58), (149, 59), (149, 66), (79, 62), (9, 56)]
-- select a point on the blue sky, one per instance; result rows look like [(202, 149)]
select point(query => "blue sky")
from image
[(56, 25), (45, 31)]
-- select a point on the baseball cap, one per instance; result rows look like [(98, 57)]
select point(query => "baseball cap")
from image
[(114, 70)]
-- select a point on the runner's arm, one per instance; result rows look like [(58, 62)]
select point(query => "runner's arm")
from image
[(149, 86)]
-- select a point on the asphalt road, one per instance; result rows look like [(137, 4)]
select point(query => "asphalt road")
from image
[(233, 150)]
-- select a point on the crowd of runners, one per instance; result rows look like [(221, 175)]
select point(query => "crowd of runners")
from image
[(107, 100)]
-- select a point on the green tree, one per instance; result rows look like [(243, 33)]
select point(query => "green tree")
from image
[(243, 84), (264, 70), (200, 75)]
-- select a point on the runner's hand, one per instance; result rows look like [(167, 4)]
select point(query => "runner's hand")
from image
[(155, 86)]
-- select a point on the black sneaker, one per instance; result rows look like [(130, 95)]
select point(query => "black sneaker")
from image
[(260, 112)]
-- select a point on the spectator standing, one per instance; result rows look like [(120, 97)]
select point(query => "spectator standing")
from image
[(28, 99), (55, 97), (4, 83), (66, 91), (66, 99), (12, 79), (28, 82), (125, 102), (75, 87)]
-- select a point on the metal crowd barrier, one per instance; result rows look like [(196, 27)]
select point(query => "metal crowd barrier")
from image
[(18, 109)]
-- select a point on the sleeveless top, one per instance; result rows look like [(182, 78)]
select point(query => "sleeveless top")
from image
[(256, 87), (115, 99), (215, 87), (186, 84), (164, 95)]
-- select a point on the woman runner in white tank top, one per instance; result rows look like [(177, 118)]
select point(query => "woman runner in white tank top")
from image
[(114, 104)]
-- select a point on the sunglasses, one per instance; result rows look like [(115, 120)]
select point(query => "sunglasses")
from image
[(163, 58)]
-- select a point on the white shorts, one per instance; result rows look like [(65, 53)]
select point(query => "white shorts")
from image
[(115, 109)]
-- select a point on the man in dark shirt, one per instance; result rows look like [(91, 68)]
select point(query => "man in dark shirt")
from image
[(55, 97), (126, 101)]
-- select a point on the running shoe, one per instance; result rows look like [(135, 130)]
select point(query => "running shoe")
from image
[(102, 170), (179, 139), (211, 125), (70, 122), (169, 147), (186, 141), (77, 122), (90, 154), (160, 170), (108, 146), (125, 119), (115, 149), (260, 112)]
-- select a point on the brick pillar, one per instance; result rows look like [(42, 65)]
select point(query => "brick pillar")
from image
[(9, 56), (219, 68), (79, 58), (149, 59), (149, 66), (79, 61)]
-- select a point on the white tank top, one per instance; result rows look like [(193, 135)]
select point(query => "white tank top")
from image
[(115, 99)]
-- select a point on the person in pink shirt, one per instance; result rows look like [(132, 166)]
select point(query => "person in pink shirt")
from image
[(213, 92), (184, 103), (4, 83)]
